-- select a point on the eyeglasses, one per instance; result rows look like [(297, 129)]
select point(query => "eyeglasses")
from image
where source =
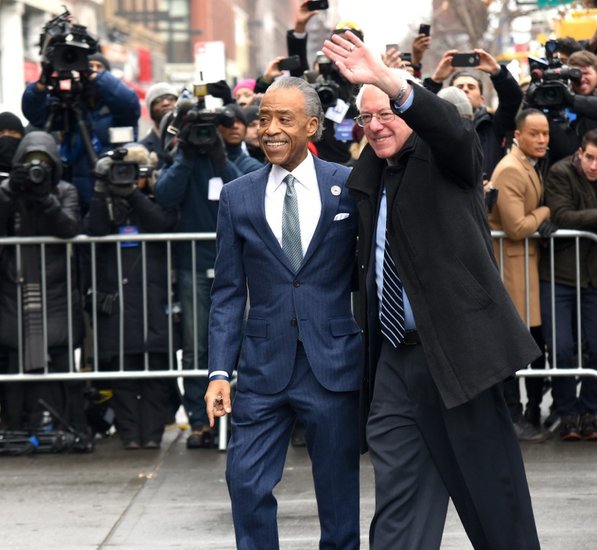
[(364, 119)]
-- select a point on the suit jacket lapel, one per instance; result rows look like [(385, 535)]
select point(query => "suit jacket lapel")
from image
[(326, 179), (255, 197), (533, 174)]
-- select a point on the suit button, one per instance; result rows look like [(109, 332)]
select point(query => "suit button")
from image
[(293, 322), (363, 267), (296, 284)]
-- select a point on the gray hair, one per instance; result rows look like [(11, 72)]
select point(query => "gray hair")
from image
[(313, 106), (405, 75)]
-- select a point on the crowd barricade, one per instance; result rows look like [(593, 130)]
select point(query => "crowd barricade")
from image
[(548, 248), (83, 361)]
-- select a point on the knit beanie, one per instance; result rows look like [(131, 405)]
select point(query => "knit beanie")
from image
[(99, 57), (251, 113), (238, 111), (157, 90), (244, 83), (459, 99), (9, 121)]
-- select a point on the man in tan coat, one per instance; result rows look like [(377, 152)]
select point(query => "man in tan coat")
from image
[(519, 212)]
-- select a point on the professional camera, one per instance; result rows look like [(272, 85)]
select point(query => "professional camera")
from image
[(326, 87), (550, 79), (65, 46), (32, 176), (122, 172), (194, 125)]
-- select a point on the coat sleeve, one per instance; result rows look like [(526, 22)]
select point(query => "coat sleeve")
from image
[(517, 224), (228, 295), (509, 97), (154, 218), (120, 99), (453, 141), (62, 215)]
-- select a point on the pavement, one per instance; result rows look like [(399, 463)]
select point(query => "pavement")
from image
[(174, 498)]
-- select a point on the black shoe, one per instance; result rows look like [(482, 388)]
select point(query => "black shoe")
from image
[(201, 438), (569, 429), (131, 445), (151, 445), (533, 415), (588, 427), (525, 431)]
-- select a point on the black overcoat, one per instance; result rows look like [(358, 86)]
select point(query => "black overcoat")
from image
[(471, 334)]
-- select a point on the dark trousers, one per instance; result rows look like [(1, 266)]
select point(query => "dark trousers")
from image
[(564, 388), (261, 430), (141, 406), (423, 453), (533, 385)]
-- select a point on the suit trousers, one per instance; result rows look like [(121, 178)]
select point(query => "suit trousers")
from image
[(261, 430), (422, 453)]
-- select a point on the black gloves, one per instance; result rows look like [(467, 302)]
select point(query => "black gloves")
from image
[(122, 190), (222, 90), (547, 228)]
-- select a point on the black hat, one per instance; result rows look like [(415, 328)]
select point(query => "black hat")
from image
[(9, 121), (251, 113), (99, 57), (238, 112)]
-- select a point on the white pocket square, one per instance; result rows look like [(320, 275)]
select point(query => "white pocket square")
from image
[(341, 216)]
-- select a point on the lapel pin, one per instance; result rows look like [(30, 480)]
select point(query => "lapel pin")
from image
[(335, 190)]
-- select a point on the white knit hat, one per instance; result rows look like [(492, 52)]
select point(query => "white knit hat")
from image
[(156, 90)]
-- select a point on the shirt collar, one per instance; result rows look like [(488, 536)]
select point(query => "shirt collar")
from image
[(304, 173)]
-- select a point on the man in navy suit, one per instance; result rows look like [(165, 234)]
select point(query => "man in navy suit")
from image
[(286, 238)]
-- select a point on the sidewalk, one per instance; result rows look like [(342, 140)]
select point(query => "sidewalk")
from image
[(177, 499)]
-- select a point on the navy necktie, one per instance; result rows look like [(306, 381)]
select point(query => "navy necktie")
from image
[(392, 304)]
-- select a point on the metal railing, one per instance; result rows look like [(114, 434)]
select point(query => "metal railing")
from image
[(551, 365)]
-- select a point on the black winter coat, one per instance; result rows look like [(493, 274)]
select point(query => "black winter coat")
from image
[(58, 217), (471, 334), (142, 213)]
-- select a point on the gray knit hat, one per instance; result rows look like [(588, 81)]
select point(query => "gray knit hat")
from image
[(459, 99), (156, 90)]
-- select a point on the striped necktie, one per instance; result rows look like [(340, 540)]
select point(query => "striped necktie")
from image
[(392, 305), (291, 227)]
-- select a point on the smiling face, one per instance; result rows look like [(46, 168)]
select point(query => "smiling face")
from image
[(386, 138), (284, 128)]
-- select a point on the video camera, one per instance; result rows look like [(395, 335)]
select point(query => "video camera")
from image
[(326, 87), (549, 80), (65, 46), (193, 124), (122, 172)]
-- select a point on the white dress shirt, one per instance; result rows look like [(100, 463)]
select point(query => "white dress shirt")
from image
[(307, 194)]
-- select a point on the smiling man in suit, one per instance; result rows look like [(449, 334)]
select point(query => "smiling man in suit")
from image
[(286, 238)]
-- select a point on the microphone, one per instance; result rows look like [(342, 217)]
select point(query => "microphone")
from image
[(182, 107)]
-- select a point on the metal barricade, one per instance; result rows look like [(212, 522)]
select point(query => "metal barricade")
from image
[(91, 370), (551, 365)]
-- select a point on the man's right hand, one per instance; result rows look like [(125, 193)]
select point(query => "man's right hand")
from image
[(217, 400)]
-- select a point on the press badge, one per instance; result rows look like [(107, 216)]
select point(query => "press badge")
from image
[(214, 189), (338, 111), (343, 131), (128, 230)]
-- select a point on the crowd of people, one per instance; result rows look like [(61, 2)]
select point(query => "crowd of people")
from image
[(292, 166)]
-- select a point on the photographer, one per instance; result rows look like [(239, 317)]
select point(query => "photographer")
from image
[(122, 203), (574, 111), (494, 129), (192, 183), (35, 202), (84, 110), (233, 136)]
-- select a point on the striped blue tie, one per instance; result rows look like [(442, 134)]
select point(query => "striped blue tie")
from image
[(291, 227), (392, 304)]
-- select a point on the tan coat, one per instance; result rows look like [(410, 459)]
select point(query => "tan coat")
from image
[(519, 214)]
